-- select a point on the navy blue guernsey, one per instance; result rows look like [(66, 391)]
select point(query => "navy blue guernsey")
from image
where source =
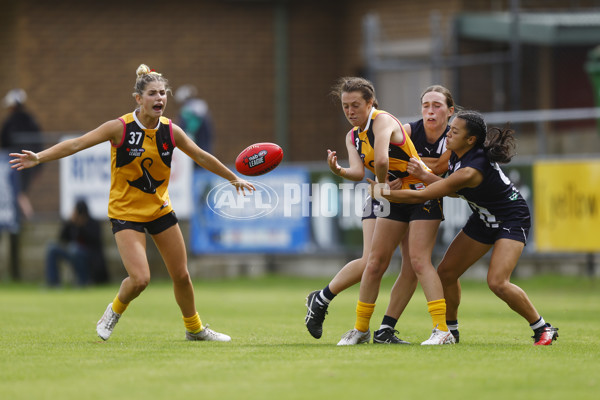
[(496, 199), (424, 148)]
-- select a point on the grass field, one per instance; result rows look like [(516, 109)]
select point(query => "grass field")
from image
[(49, 349)]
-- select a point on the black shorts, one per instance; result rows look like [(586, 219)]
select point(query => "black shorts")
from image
[(430, 210), (476, 229), (153, 227)]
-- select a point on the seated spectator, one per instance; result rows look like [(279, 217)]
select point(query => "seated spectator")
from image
[(80, 245)]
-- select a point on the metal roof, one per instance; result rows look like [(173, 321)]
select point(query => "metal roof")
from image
[(552, 29)]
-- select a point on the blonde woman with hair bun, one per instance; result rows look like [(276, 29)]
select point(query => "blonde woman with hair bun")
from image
[(143, 69), (142, 146)]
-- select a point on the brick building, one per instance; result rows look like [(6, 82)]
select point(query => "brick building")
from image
[(265, 67)]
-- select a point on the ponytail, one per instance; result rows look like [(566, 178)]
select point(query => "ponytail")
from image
[(498, 144)]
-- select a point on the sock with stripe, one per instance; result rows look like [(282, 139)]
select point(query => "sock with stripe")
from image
[(452, 324), (325, 296), (388, 322), (538, 324)]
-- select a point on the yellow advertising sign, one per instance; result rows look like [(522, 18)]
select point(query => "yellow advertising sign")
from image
[(567, 205)]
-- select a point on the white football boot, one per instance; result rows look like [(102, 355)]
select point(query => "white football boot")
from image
[(107, 323), (207, 334), (354, 336), (439, 337)]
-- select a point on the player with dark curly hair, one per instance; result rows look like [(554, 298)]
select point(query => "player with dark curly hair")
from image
[(500, 219)]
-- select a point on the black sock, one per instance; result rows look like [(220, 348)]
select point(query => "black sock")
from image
[(388, 322), (452, 324), (540, 323), (327, 294)]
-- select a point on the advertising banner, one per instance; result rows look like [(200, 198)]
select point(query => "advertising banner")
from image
[(567, 206), (275, 218)]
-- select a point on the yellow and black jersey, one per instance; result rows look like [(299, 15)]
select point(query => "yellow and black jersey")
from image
[(399, 153), (140, 171)]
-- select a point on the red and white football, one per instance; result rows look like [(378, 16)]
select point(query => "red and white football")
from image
[(258, 159)]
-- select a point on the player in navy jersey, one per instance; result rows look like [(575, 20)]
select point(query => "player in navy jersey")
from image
[(429, 137), (500, 219)]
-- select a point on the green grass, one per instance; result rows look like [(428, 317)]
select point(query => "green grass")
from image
[(49, 349)]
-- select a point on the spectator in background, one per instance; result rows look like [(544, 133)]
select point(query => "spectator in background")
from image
[(194, 117), (80, 245), (21, 131)]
